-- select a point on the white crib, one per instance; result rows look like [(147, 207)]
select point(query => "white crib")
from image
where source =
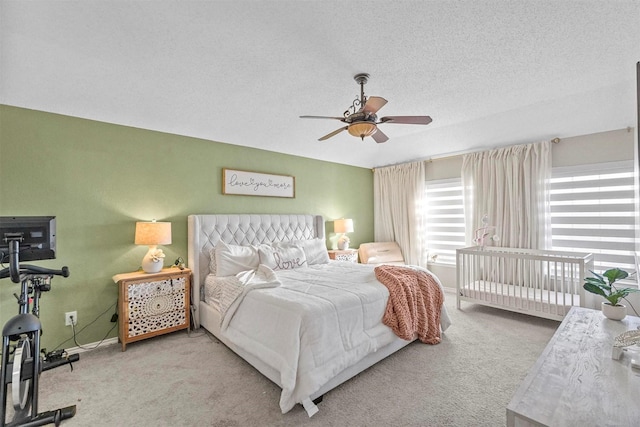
[(537, 282)]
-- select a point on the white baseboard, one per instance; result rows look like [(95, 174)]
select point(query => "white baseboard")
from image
[(91, 346)]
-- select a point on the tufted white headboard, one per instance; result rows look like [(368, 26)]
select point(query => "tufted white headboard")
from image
[(205, 231)]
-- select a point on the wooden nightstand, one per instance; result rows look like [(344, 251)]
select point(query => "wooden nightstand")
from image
[(151, 304), (350, 255)]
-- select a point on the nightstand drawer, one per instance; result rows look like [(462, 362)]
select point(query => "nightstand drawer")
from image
[(350, 255), (149, 324), (145, 290), (153, 304)]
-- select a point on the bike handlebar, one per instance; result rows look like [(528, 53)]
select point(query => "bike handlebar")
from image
[(15, 269), (33, 269)]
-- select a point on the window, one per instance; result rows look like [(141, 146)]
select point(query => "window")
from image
[(593, 209), (445, 220)]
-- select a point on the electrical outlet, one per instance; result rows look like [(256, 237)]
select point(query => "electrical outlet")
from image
[(67, 318)]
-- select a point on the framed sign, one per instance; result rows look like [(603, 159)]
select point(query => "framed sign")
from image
[(248, 183)]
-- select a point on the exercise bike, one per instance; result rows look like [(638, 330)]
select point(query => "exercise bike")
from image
[(22, 361)]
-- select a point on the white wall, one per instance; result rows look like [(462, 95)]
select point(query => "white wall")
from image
[(609, 146)]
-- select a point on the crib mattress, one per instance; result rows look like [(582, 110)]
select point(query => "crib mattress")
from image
[(520, 297)]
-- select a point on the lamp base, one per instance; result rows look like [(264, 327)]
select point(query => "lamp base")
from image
[(343, 242), (152, 263)]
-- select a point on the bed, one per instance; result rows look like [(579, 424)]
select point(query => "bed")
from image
[(282, 352)]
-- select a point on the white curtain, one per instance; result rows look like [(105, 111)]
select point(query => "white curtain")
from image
[(398, 211), (510, 186)]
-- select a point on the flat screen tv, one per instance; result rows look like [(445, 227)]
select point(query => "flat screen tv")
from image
[(36, 236)]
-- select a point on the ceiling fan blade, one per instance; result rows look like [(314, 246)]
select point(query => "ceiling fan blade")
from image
[(379, 137), (410, 120), (334, 133), (321, 117), (374, 103)]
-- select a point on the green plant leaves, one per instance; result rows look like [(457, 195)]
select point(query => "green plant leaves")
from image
[(615, 274), (599, 286), (595, 289)]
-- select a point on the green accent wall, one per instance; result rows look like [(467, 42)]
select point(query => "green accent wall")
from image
[(98, 179)]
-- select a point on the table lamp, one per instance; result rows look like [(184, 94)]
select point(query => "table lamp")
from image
[(343, 226), (152, 234)]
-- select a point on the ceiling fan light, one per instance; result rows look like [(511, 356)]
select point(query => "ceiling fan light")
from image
[(362, 129)]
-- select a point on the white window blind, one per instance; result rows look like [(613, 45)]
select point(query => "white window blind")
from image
[(593, 209), (445, 220)]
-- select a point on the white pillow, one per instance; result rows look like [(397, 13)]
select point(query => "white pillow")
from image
[(314, 249), (232, 259), (281, 258)]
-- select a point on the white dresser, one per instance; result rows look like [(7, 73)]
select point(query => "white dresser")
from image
[(575, 382)]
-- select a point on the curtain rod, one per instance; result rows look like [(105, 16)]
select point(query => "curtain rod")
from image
[(555, 140)]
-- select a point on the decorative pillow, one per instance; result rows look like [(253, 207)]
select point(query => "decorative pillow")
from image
[(213, 290), (212, 261), (314, 249), (282, 258), (232, 259)]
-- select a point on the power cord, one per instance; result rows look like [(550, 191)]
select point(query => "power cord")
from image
[(632, 307), (75, 333), (629, 302), (73, 326)]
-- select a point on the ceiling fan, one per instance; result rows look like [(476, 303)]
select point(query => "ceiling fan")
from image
[(361, 118)]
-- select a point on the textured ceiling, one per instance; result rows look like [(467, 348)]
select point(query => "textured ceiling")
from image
[(489, 73)]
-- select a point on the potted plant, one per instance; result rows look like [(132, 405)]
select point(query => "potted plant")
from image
[(604, 285)]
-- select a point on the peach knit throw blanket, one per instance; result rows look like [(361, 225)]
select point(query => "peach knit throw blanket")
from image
[(415, 300)]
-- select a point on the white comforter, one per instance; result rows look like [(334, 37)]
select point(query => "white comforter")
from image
[(310, 323)]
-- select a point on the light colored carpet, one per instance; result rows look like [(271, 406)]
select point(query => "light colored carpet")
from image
[(176, 380)]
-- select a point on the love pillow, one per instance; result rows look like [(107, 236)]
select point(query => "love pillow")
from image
[(282, 258)]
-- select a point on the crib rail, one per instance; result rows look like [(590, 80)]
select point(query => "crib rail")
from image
[(539, 282)]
